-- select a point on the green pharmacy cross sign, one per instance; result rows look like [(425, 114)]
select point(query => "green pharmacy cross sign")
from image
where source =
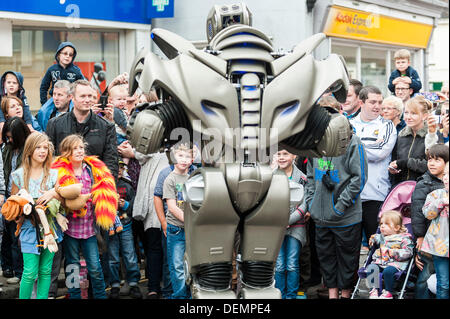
[(160, 4)]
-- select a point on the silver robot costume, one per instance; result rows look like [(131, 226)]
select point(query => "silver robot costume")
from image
[(238, 82)]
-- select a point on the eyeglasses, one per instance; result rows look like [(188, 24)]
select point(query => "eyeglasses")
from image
[(402, 89), (66, 53)]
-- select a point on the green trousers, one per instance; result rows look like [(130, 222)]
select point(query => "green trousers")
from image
[(36, 266)]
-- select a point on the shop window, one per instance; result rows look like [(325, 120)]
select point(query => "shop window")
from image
[(373, 68), (349, 55), (34, 51)]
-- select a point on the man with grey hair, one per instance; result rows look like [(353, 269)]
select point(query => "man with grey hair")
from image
[(60, 103)]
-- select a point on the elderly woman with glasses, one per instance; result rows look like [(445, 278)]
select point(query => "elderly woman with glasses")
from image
[(392, 109)]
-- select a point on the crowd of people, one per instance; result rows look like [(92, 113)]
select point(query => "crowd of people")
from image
[(119, 211)]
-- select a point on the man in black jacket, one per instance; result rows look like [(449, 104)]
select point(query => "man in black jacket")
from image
[(99, 133)]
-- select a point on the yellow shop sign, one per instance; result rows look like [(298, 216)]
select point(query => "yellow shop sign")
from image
[(366, 26)]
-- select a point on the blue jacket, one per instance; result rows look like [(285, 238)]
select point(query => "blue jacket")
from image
[(57, 72), (20, 95), (46, 112), (416, 85)]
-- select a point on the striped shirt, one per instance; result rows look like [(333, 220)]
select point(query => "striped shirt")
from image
[(83, 227)]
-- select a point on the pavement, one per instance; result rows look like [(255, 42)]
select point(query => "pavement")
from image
[(11, 291)]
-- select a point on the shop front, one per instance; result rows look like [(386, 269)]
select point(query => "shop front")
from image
[(367, 39), (103, 34)]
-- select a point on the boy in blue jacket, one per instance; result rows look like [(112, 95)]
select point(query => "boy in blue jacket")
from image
[(64, 69), (404, 72), (11, 84)]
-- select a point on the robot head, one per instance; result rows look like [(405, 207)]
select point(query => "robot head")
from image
[(223, 16)]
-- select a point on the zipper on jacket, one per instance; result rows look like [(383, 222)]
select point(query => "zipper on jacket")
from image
[(409, 153)]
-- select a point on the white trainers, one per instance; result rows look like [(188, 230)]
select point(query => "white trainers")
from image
[(13, 280), (373, 294), (386, 295)]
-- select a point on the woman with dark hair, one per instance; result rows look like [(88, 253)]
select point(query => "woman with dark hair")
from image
[(14, 133)]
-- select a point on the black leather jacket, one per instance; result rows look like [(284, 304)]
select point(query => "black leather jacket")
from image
[(99, 134)]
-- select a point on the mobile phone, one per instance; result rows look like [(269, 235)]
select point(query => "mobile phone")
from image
[(394, 169), (437, 118), (103, 101)]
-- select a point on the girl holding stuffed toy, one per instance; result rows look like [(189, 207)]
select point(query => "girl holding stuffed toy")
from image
[(91, 200), (33, 183)]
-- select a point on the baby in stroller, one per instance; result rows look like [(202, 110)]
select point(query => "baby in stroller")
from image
[(396, 248)]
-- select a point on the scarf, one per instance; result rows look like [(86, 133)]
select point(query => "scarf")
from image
[(104, 193)]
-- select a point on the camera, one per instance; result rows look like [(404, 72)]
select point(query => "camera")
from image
[(103, 101), (328, 181)]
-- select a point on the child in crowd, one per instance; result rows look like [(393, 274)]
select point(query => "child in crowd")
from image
[(172, 193), (396, 249), (97, 215), (436, 238), (36, 176), (287, 270), (121, 242), (404, 72), (437, 157), (64, 69), (11, 85)]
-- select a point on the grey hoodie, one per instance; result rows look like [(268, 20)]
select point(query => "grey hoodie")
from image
[(340, 207)]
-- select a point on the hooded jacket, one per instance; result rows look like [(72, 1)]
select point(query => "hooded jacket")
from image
[(426, 184), (20, 95), (56, 72), (341, 206)]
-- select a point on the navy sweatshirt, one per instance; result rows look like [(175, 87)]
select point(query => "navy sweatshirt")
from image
[(56, 72)]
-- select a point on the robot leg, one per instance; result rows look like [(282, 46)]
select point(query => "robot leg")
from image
[(210, 224), (263, 233)]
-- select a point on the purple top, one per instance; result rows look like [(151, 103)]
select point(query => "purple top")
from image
[(82, 227)]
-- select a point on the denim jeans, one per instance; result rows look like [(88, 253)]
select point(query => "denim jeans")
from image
[(176, 246), (166, 289), (287, 270), (389, 279), (421, 290), (441, 268), (123, 242), (89, 247)]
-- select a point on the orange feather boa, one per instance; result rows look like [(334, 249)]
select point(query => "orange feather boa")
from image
[(104, 192)]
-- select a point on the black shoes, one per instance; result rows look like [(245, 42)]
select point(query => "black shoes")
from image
[(115, 293), (8, 273), (135, 292)]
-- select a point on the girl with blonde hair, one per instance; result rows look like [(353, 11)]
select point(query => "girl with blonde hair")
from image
[(409, 160), (38, 179), (396, 248), (99, 201)]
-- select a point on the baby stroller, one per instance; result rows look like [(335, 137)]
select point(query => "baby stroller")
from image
[(399, 199)]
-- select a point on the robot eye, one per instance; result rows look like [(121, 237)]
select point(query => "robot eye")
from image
[(224, 9)]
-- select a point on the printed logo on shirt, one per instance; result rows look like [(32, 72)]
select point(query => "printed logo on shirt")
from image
[(71, 76), (180, 198), (56, 76), (376, 132)]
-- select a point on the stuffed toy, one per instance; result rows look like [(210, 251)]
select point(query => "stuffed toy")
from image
[(21, 206), (103, 192)]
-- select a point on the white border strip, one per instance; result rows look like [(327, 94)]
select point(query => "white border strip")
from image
[(47, 20)]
